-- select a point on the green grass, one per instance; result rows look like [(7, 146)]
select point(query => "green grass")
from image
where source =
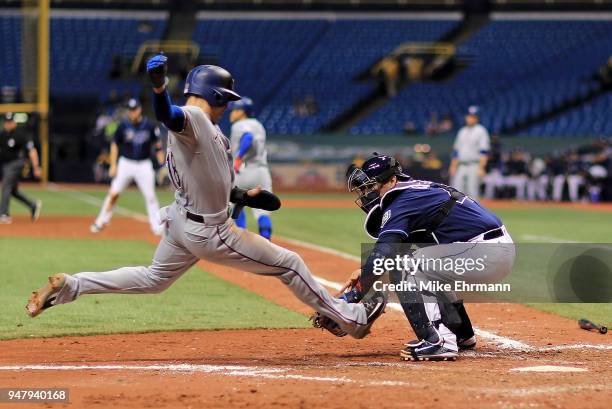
[(196, 301), (342, 229)]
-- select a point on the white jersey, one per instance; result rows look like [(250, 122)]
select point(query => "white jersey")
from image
[(471, 142), (257, 153), (200, 164)]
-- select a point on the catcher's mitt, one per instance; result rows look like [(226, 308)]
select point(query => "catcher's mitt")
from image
[(321, 321)]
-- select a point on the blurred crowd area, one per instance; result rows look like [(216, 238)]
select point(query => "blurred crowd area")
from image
[(579, 174)]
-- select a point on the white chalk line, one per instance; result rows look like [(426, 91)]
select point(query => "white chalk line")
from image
[(284, 374), (502, 342), (281, 373), (547, 368), (545, 239), (94, 201)]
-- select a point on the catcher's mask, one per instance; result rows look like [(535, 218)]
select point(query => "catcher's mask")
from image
[(368, 179)]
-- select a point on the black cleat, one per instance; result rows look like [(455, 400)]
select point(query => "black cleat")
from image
[(427, 351)]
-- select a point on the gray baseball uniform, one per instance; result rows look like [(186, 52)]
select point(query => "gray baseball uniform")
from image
[(254, 171), (469, 146), (200, 168)]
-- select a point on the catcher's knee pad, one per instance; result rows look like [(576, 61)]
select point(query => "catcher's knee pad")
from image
[(265, 226), (241, 219)]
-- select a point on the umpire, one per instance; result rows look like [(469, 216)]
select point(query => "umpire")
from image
[(15, 147)]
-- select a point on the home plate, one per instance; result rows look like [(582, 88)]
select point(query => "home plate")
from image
[(548, 368)]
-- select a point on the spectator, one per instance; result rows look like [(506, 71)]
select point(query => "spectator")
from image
[(517, 172), (538, 180), (409, 128), (557, 169), (575, 175), (387, 71), (494, 178)]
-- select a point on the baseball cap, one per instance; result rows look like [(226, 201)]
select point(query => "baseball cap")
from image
[(9, 116), (473, 110), (133, 103)]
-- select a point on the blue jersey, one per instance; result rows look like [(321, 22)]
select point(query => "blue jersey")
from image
[(136, 141), (408, 207)]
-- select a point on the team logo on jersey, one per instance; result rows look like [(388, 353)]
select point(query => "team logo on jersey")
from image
[(385, 218), (11, 143)]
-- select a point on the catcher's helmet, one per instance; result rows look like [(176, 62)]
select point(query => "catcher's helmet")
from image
[(212, 83), (245, 104), (367, 180)]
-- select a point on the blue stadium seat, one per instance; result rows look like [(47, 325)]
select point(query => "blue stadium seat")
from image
[(520, 69)]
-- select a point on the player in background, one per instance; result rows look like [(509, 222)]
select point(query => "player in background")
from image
[(248, 141), (15, 147), (130, 160), (470, 153), (197, 223)]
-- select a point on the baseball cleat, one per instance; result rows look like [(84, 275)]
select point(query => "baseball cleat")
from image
[(36, 211), (467, 343), (428, 351), (5, 219), (463, 344), (374, 308), (44, 297), (94, 228)]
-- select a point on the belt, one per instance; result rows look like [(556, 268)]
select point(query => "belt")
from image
[(206, 219), (493, 234), (489, 235)]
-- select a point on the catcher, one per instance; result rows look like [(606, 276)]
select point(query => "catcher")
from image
[(403, 211)]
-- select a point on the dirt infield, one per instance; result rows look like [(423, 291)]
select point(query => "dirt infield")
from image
[(306, 367)]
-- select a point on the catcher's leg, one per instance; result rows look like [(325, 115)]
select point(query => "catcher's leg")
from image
[(169, 263), (229, 245)]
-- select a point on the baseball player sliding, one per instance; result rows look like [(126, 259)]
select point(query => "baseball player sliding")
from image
[(446, 225), (198, 225), (248, 141), (133, 143)]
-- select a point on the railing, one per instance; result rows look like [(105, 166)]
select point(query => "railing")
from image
[(171, 47)]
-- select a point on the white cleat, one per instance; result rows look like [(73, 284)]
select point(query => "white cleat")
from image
[(36, 211), (94, 228)]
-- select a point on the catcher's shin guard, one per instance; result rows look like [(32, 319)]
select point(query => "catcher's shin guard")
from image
[(414, 309)]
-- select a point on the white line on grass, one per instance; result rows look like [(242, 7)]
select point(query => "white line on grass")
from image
[(501, 341), (545, 239), (94, 201)]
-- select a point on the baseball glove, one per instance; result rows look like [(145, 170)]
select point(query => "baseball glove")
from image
[(321, 321)]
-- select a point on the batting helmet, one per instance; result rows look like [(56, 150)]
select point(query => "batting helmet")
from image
[(245, 103), (212, 83), (366, 180)]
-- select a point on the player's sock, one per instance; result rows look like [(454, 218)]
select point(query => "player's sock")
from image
[(241, 220), (265, 226)]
